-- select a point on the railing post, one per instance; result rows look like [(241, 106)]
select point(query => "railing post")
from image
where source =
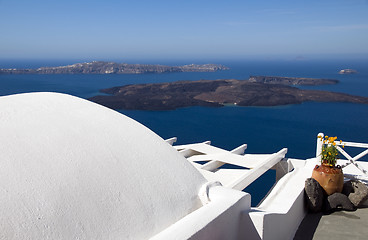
[(319, 147)]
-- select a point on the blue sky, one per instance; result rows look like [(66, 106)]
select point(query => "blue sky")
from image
[(163, 29)]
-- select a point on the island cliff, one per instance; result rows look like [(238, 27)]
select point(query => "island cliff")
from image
[(99, 67), (216, 93)]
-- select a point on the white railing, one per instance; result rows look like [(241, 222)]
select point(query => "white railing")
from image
[(339, 146)]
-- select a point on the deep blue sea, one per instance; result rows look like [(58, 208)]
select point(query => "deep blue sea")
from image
[(264, 129)]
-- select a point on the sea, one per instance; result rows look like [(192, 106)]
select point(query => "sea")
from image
[(263, 129)]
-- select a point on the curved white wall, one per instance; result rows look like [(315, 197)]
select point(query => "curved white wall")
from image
[(73, 169)]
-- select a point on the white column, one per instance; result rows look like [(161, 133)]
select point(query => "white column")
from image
[(319, 147)]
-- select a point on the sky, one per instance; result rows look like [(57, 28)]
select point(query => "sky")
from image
[(191, 29)]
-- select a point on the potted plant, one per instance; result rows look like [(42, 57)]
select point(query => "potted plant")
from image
[(328, 174)]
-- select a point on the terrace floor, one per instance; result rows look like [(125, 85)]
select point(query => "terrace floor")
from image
[(337, 225)]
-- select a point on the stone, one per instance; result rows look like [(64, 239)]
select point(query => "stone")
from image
[(338, 201), (314, 195), (347, 188), (358, 193)]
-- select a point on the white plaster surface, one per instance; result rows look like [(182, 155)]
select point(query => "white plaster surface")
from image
[(279, 215), (72, 169), (217, 220)]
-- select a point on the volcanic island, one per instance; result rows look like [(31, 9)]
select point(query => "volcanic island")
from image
[(255, 91)]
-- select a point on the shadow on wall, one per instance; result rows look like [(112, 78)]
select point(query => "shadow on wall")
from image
[(308, 226)]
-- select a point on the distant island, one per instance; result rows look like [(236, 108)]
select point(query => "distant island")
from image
[(348, 71), (256, 91), (100, 67)]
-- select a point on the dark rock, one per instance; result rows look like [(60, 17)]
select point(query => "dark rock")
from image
[(314, 195), (348, 188), (357, 192), (338, 201)]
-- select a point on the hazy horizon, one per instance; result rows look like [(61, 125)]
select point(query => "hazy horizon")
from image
[(162, 29)]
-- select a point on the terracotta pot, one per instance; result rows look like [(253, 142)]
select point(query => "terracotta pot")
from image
[(331, 179)]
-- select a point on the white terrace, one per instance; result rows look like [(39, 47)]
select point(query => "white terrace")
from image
[(72, 169), (249, 166)]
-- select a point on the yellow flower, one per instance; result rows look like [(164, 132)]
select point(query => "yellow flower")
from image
[(331, 139)]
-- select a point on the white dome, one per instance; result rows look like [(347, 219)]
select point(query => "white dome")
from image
[(72, 169)]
